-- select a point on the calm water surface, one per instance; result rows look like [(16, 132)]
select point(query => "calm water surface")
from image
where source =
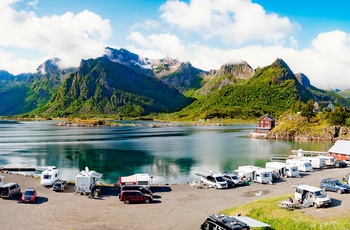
[(169, 154)]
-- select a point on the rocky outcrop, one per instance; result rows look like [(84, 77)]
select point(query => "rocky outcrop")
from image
[(331, 133)]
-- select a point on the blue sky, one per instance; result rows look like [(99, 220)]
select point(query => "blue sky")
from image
[(313, 37)]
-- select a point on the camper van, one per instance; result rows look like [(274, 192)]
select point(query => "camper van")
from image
[(283, 169), (314, 196), (316, 162), (328, 161), (213, 179), (303, 166), (142, 179), (85, 181), (49, 176), (257, 174)]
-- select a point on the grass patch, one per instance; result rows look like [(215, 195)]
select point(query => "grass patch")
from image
[(268, 211)]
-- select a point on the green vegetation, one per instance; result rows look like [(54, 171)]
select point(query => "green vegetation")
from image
[(268, 211)]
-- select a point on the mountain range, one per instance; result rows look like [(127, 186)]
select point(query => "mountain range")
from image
[(121, 83)]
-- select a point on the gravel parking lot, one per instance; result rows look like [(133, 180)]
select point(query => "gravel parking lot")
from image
[(175, 206)]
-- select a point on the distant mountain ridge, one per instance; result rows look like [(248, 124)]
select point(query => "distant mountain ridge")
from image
[(125, 84)]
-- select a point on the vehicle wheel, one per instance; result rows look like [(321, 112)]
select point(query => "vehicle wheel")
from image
[(324, 189), (339, 191), (147, 201), (127, 201), (315, 205)]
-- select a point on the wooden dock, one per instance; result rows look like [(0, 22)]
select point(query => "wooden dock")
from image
[(24, 168)]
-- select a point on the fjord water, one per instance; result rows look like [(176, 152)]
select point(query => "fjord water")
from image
[(171, 154)]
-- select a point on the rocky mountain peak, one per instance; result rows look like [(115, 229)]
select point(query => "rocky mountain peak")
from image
[(50, 66), (303, 80), (239, 70)]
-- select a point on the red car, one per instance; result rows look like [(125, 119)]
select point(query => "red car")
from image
[(135, 196), (29, 195)]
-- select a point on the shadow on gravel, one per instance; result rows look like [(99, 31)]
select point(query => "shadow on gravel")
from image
[(160, 188), (109, 191), (335, 202), (38, 200)]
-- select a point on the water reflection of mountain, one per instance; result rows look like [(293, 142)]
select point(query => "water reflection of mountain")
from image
[(112, 163)]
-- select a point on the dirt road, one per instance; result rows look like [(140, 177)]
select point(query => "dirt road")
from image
[(175, 206)]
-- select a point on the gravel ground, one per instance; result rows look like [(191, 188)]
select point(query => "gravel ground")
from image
[(175, 206)]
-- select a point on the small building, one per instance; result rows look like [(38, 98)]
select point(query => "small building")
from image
[(321, 106), (340, 150), (266, 123)]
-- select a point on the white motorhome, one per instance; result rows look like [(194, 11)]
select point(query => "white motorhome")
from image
[(86, 180), (283, 169), (328, 160), (311, 196), (303, 166), (316, 162), (257, 174), (213, 179), (142, 179), (49, 176)]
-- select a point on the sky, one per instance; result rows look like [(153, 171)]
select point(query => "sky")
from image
[(312, 37)]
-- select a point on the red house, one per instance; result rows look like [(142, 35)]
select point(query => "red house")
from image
[(340, 150), (266, 123)]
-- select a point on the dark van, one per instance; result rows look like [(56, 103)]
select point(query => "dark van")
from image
[(137, 188), (9, 190)]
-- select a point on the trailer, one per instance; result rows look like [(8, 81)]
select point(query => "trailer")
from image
[(257, 174), (316, 162), (142, 179), (328, 160), (283, 169), (303, 166), (49, 176), (85, 181)]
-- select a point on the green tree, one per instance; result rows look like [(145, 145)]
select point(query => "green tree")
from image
[(308, 110), (338, 116)]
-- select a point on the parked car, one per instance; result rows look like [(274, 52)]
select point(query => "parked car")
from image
[(59, 186), (8, 190), (138, 188), (29, 195), (232, 179), (223, 222), (134, 196), (334, 185), (340, 164)]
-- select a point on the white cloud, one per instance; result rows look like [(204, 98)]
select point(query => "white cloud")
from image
[(234, 21), (70, 37), (326, 63), (146, 24)]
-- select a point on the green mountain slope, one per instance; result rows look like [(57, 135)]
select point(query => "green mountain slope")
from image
[(101, 86), (272, 90), (25, 92)]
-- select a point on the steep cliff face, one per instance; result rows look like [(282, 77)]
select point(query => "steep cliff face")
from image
[(303, 80), (228, 74)]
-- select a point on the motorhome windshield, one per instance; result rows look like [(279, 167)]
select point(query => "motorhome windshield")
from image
[(320, 193), (265, 175), (219, 179), (47, 177)]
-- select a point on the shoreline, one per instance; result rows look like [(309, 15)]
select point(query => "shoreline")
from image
[(176, 206)]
